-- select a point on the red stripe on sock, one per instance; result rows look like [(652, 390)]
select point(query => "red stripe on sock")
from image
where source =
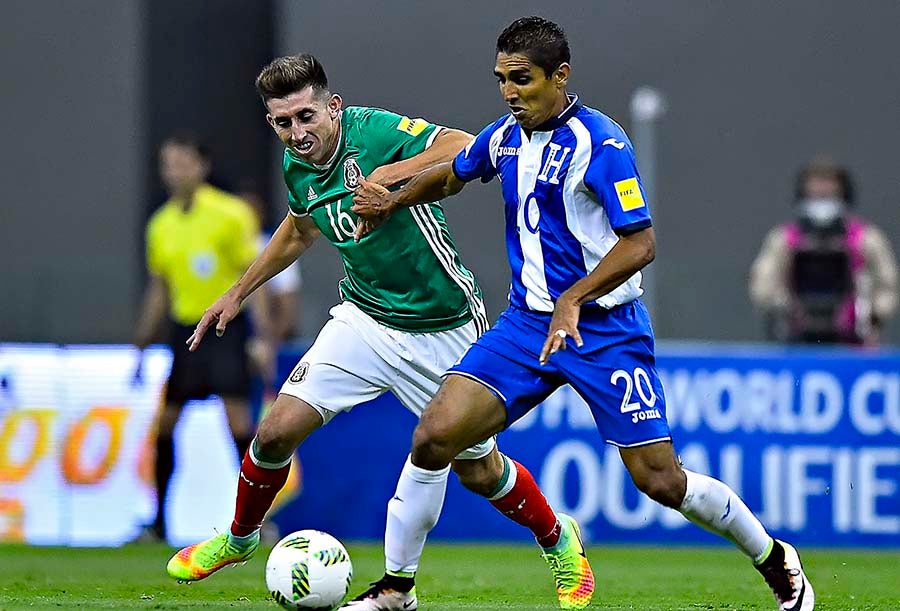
[(257, 488), (525, 504)]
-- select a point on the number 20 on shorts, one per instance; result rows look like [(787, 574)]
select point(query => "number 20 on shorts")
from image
[(637, 381)]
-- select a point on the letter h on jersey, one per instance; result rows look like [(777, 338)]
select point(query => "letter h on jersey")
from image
[(556, 156)]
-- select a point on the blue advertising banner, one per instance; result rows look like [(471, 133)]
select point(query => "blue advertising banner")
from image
[(810, 439)]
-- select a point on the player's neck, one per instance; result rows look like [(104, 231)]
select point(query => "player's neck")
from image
[(559, 106), (562, 102), (333, 147)]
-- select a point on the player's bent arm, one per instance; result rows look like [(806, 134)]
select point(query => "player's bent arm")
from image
[(293, 236), (630, 254), (375, 203), (153, 310), (437, 182), (291, 239), (445, 147)]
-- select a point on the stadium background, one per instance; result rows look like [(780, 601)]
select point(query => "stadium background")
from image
[(753, 92)]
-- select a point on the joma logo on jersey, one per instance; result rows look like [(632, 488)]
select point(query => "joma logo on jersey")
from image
[(352, 174), (556, 157), (511, 151)]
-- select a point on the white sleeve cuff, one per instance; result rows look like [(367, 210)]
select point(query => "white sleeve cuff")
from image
[(437, 130)]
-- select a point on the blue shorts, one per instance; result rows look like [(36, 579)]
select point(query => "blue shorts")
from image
[(614, 372)]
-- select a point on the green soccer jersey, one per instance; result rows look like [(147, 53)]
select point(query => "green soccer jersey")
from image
[(406, 274)]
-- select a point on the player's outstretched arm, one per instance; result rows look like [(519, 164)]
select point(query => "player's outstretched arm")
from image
[(373, 203), (630, 254), (291, 239), (445, 147)]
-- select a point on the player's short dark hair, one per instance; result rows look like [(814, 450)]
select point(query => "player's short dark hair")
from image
[(543, 42), (825, 167), (191, 141), (290, 74)]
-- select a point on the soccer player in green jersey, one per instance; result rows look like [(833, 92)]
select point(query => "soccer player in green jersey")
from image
[(409, 310)]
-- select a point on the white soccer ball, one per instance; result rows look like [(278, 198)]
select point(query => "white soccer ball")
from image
[(309, 569)]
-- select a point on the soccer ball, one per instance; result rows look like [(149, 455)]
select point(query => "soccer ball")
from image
[(309, 569)]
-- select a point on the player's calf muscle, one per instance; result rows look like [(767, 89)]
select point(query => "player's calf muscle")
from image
[(482, 475), (666, 488)]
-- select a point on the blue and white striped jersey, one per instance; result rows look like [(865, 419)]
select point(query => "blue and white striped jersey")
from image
[(569, 191)]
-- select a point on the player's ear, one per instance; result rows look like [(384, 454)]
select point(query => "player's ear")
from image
[(335, 102), (270, 120), (561, 75)]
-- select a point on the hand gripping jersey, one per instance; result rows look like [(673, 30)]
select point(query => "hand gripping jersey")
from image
[(569, 191), (406, 274)]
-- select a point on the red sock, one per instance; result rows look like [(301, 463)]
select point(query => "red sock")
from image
[(257, 487), (525, 504)]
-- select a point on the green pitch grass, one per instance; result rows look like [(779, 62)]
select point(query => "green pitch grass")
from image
[(453, 577)]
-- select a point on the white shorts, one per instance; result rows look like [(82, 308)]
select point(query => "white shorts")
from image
[(355, 359)]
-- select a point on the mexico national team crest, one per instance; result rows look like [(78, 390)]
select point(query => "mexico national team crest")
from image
[(352, 174), (299, 373)]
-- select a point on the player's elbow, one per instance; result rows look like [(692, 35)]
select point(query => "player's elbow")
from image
[(644, 242), (452, 184), (455, 138), (648, 254)]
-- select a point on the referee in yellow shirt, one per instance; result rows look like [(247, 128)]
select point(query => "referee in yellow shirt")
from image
[(198, 244)]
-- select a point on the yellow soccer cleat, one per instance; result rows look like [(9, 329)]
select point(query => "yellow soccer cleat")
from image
[(201, 560), (570, 567)]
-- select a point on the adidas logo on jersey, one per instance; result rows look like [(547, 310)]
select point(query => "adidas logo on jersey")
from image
[(311, 195)]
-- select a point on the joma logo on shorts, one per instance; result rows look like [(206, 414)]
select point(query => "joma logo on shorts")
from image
[(648, 414)]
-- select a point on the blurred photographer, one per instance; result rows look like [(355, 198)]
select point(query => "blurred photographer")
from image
[(827, 275)]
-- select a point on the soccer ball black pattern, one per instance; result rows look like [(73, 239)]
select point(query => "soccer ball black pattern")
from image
[(310, 570)]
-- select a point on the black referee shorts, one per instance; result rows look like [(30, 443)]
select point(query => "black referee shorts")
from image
[(219, 366)]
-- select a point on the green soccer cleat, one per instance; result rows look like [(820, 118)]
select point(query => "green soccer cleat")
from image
[(201, 560), (570, 567)]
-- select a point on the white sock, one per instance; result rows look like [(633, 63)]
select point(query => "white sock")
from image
[(412, 513), (245, 541), (714, 506)]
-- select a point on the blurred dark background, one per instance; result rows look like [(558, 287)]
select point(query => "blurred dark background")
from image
[(753, 92)]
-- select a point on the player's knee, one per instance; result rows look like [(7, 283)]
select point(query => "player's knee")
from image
[(272, 443), (432, 447), (665, 486)]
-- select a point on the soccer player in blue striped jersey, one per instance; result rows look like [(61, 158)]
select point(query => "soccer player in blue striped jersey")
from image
[(578, 232)]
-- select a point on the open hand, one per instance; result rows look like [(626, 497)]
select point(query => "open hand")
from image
[(564, 324), (221, 312)]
